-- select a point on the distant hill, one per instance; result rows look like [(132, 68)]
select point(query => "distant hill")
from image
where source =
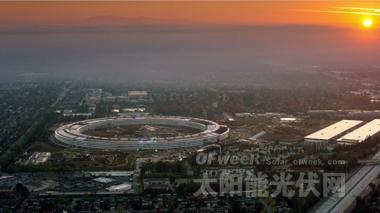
[(121, 20)]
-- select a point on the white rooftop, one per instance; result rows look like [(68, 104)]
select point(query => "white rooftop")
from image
[(288, 119), (333, 130), (112, 173), (362, 133), (137, 93), (103, 180), (120, 187)]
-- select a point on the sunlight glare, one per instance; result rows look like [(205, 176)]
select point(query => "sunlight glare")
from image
[(367, 23)]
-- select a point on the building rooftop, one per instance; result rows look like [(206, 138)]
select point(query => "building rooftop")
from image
[(120, 187), (137, 93), (362, 133), (333, 130), (103, 180)]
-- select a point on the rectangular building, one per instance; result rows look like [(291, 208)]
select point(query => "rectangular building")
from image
[(370, 129), (138, 93), (333, 131)]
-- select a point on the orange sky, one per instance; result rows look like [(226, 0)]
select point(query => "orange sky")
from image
[(257, 12)]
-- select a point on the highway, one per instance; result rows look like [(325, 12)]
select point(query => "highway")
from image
[(353, 188)]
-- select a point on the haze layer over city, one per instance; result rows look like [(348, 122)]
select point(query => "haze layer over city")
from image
[(243, 42)]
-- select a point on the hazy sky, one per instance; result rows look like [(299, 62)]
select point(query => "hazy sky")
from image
[(253, 12), (173, 41)]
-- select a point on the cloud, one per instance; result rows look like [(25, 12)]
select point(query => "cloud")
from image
[(347, 12), (351, 10), (376, 10)]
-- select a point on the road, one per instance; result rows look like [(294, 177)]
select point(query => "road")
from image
[(12, 151), (354, 187)]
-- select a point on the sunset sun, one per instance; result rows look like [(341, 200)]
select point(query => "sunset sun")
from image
[(367, 23)]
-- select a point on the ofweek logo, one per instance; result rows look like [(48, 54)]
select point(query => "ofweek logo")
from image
[(249, 159), (249, 183)]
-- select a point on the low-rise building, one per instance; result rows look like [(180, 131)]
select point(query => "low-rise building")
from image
[(370, 129), (333, 131)]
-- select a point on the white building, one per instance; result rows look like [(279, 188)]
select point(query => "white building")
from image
[(359, 135), (333, 131), (74, 134), (138, 93), (289, 120)]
